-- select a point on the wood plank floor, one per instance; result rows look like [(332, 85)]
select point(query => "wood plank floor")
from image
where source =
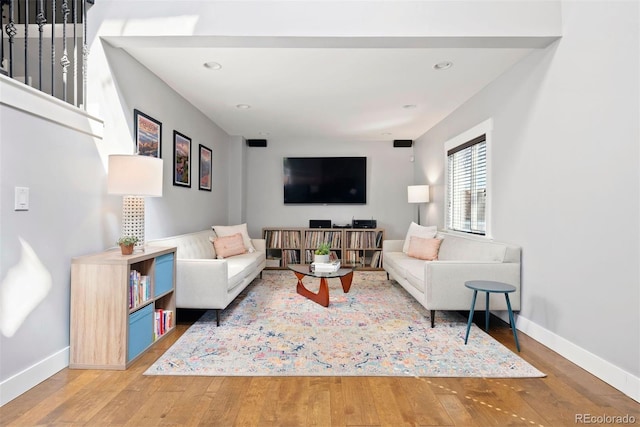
[(127, 398)]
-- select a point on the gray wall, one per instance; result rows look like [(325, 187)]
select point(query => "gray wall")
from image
[(566, 185), (71, 214), (389, 171)]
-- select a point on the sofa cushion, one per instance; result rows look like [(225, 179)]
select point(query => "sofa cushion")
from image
[(414, 273), (418, 231), (459, 248), (426, 249), (228, 230), (229, 246), (241, 266), (189, 246)]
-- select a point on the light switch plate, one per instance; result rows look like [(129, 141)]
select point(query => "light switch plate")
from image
[(22, 199)]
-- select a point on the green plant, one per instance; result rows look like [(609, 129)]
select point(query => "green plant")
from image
[(323, 249), (127, 240)]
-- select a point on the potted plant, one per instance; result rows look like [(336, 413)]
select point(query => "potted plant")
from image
[(126, 244), (322, 253)]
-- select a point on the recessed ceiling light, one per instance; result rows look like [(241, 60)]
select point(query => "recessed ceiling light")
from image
[(443, 65), (212, 65), (409, 106), (243, 106), (263, 133)]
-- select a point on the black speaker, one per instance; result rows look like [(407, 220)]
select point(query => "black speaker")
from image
[(257, 142), (364, 223), (319, 223), (404, 143)]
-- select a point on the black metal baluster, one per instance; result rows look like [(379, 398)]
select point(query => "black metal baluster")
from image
[(41, 20), (53, 47), (3, 3), (26, 42), (11, 32), (85, 55), (75, 53), (64, 61)]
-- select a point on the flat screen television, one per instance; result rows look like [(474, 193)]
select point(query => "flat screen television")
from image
[(325, 180)]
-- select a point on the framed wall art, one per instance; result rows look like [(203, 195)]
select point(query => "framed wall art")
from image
[(148, 134), (181, 159), (206, 157)]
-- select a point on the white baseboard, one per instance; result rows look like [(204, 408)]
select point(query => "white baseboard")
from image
[(32, 376), (606, 371)]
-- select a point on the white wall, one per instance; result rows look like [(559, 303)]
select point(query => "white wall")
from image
[(180, 209), (566, 185), (389, 171), (56, 156)]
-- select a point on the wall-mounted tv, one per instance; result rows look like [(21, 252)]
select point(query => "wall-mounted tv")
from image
[(325, 180)]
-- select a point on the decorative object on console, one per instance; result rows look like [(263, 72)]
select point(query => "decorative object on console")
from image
[(148, 133), (322, 253), (126, 244), (206, 160), (418, 194), (134, 177)]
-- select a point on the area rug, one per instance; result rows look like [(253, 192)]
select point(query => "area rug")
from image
[(377, 329)]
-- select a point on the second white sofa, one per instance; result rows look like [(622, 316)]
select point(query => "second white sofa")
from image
[(439, 284), (205, 282)]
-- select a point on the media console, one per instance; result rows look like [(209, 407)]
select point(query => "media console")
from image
[(360, 248)]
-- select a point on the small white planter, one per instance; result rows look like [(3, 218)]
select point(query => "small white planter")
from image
[(321, 258)]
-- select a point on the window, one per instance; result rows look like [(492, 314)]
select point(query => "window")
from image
[(467, 186)]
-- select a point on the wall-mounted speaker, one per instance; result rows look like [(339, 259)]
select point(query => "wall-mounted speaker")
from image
[(257, 142), (404, 143)]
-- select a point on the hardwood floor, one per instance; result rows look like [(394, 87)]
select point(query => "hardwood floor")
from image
[(127, 398)]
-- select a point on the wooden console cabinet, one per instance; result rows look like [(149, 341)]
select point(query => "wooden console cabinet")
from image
[(354, 247), (120, 306)]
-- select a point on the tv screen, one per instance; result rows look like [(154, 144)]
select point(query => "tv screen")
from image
[(325, 180)]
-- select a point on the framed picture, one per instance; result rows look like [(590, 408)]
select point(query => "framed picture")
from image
[(148, 132), (205, 168), (181, 159)]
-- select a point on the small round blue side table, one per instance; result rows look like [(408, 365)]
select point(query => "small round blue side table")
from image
[(488, 287)]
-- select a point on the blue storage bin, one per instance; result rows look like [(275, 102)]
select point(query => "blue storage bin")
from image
[(163, 274), (140, 331)]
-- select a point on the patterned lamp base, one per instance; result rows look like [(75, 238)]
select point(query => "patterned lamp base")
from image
[(133, 218)]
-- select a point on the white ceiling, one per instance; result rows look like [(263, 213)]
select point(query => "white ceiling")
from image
[(315, 90)]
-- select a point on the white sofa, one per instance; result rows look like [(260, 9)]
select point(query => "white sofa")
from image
[(439, 284), (204, 282)]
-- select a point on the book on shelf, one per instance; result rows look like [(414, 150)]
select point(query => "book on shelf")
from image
[(139, 288), (163, 322)]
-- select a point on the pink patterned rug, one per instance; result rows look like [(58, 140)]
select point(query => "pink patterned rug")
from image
[(377, 329)]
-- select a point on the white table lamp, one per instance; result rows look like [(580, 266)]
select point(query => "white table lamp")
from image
[(418, 194), (134, 176)]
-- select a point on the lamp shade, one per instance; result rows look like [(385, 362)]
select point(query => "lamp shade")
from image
[(135, 175), (418, 193)]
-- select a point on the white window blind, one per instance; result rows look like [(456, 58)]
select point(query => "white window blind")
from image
[(467, 186)]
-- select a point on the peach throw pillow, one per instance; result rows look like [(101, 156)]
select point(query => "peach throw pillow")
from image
[(229, 246), (422, 248)]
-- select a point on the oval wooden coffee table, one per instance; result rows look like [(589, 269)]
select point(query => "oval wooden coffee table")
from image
[(322, 297)]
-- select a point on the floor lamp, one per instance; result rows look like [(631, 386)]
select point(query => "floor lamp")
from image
[(134, 176), (418, 194)]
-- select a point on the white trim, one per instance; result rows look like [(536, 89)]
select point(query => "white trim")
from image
[(23, 381), (485, 128), (616, 377), (21, 97)]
